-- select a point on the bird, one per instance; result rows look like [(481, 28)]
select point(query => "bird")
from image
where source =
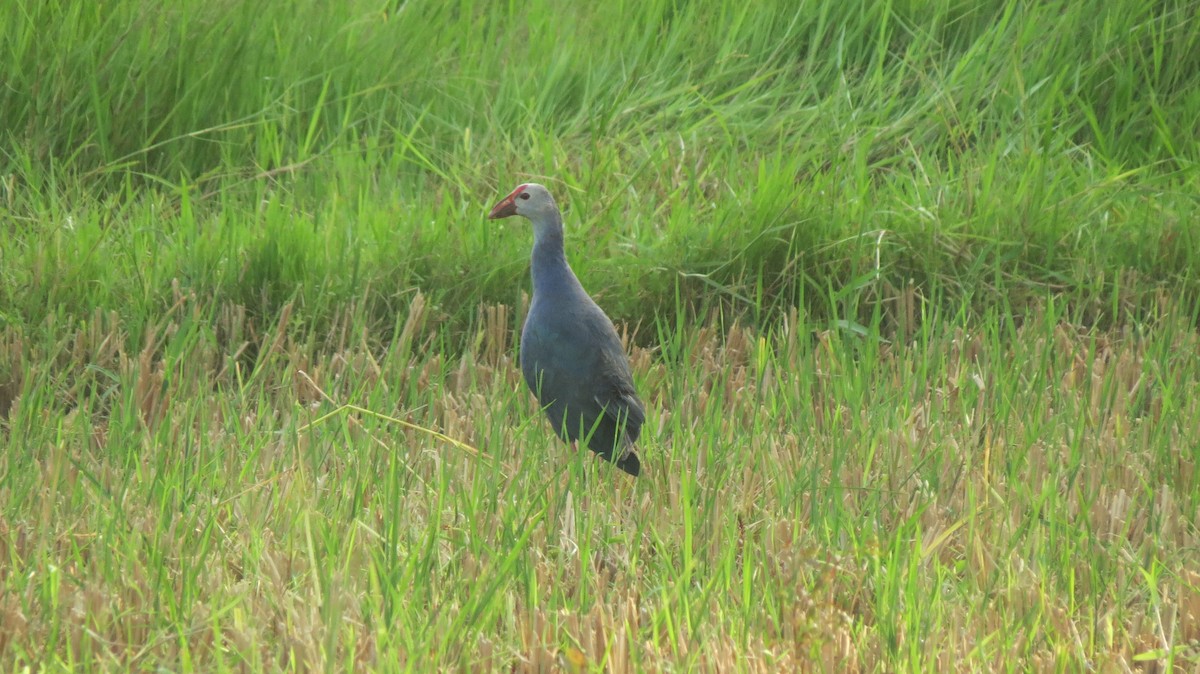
[(570, 354)]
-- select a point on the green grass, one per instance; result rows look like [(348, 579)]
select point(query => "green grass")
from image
[(911, 290)]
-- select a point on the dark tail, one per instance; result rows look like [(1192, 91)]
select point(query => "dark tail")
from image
[(630, 464)]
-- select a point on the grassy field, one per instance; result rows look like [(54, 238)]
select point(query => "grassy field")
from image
[(911, 290)]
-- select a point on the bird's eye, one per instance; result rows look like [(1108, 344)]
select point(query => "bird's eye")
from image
[(522, 196)]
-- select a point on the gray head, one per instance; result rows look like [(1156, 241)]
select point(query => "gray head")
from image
[(531, 201)]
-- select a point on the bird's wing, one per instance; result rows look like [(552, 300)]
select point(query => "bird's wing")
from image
[(620, 402), (614, 390)]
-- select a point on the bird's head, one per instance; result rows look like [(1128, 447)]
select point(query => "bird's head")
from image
[(530, 200)]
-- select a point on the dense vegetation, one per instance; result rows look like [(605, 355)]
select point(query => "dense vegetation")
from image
[(911, 288)]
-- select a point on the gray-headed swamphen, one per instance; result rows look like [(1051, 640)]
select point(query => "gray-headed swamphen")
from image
[(571, 356)]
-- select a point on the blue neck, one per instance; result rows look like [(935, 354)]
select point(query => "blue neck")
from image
[(548, 264)]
